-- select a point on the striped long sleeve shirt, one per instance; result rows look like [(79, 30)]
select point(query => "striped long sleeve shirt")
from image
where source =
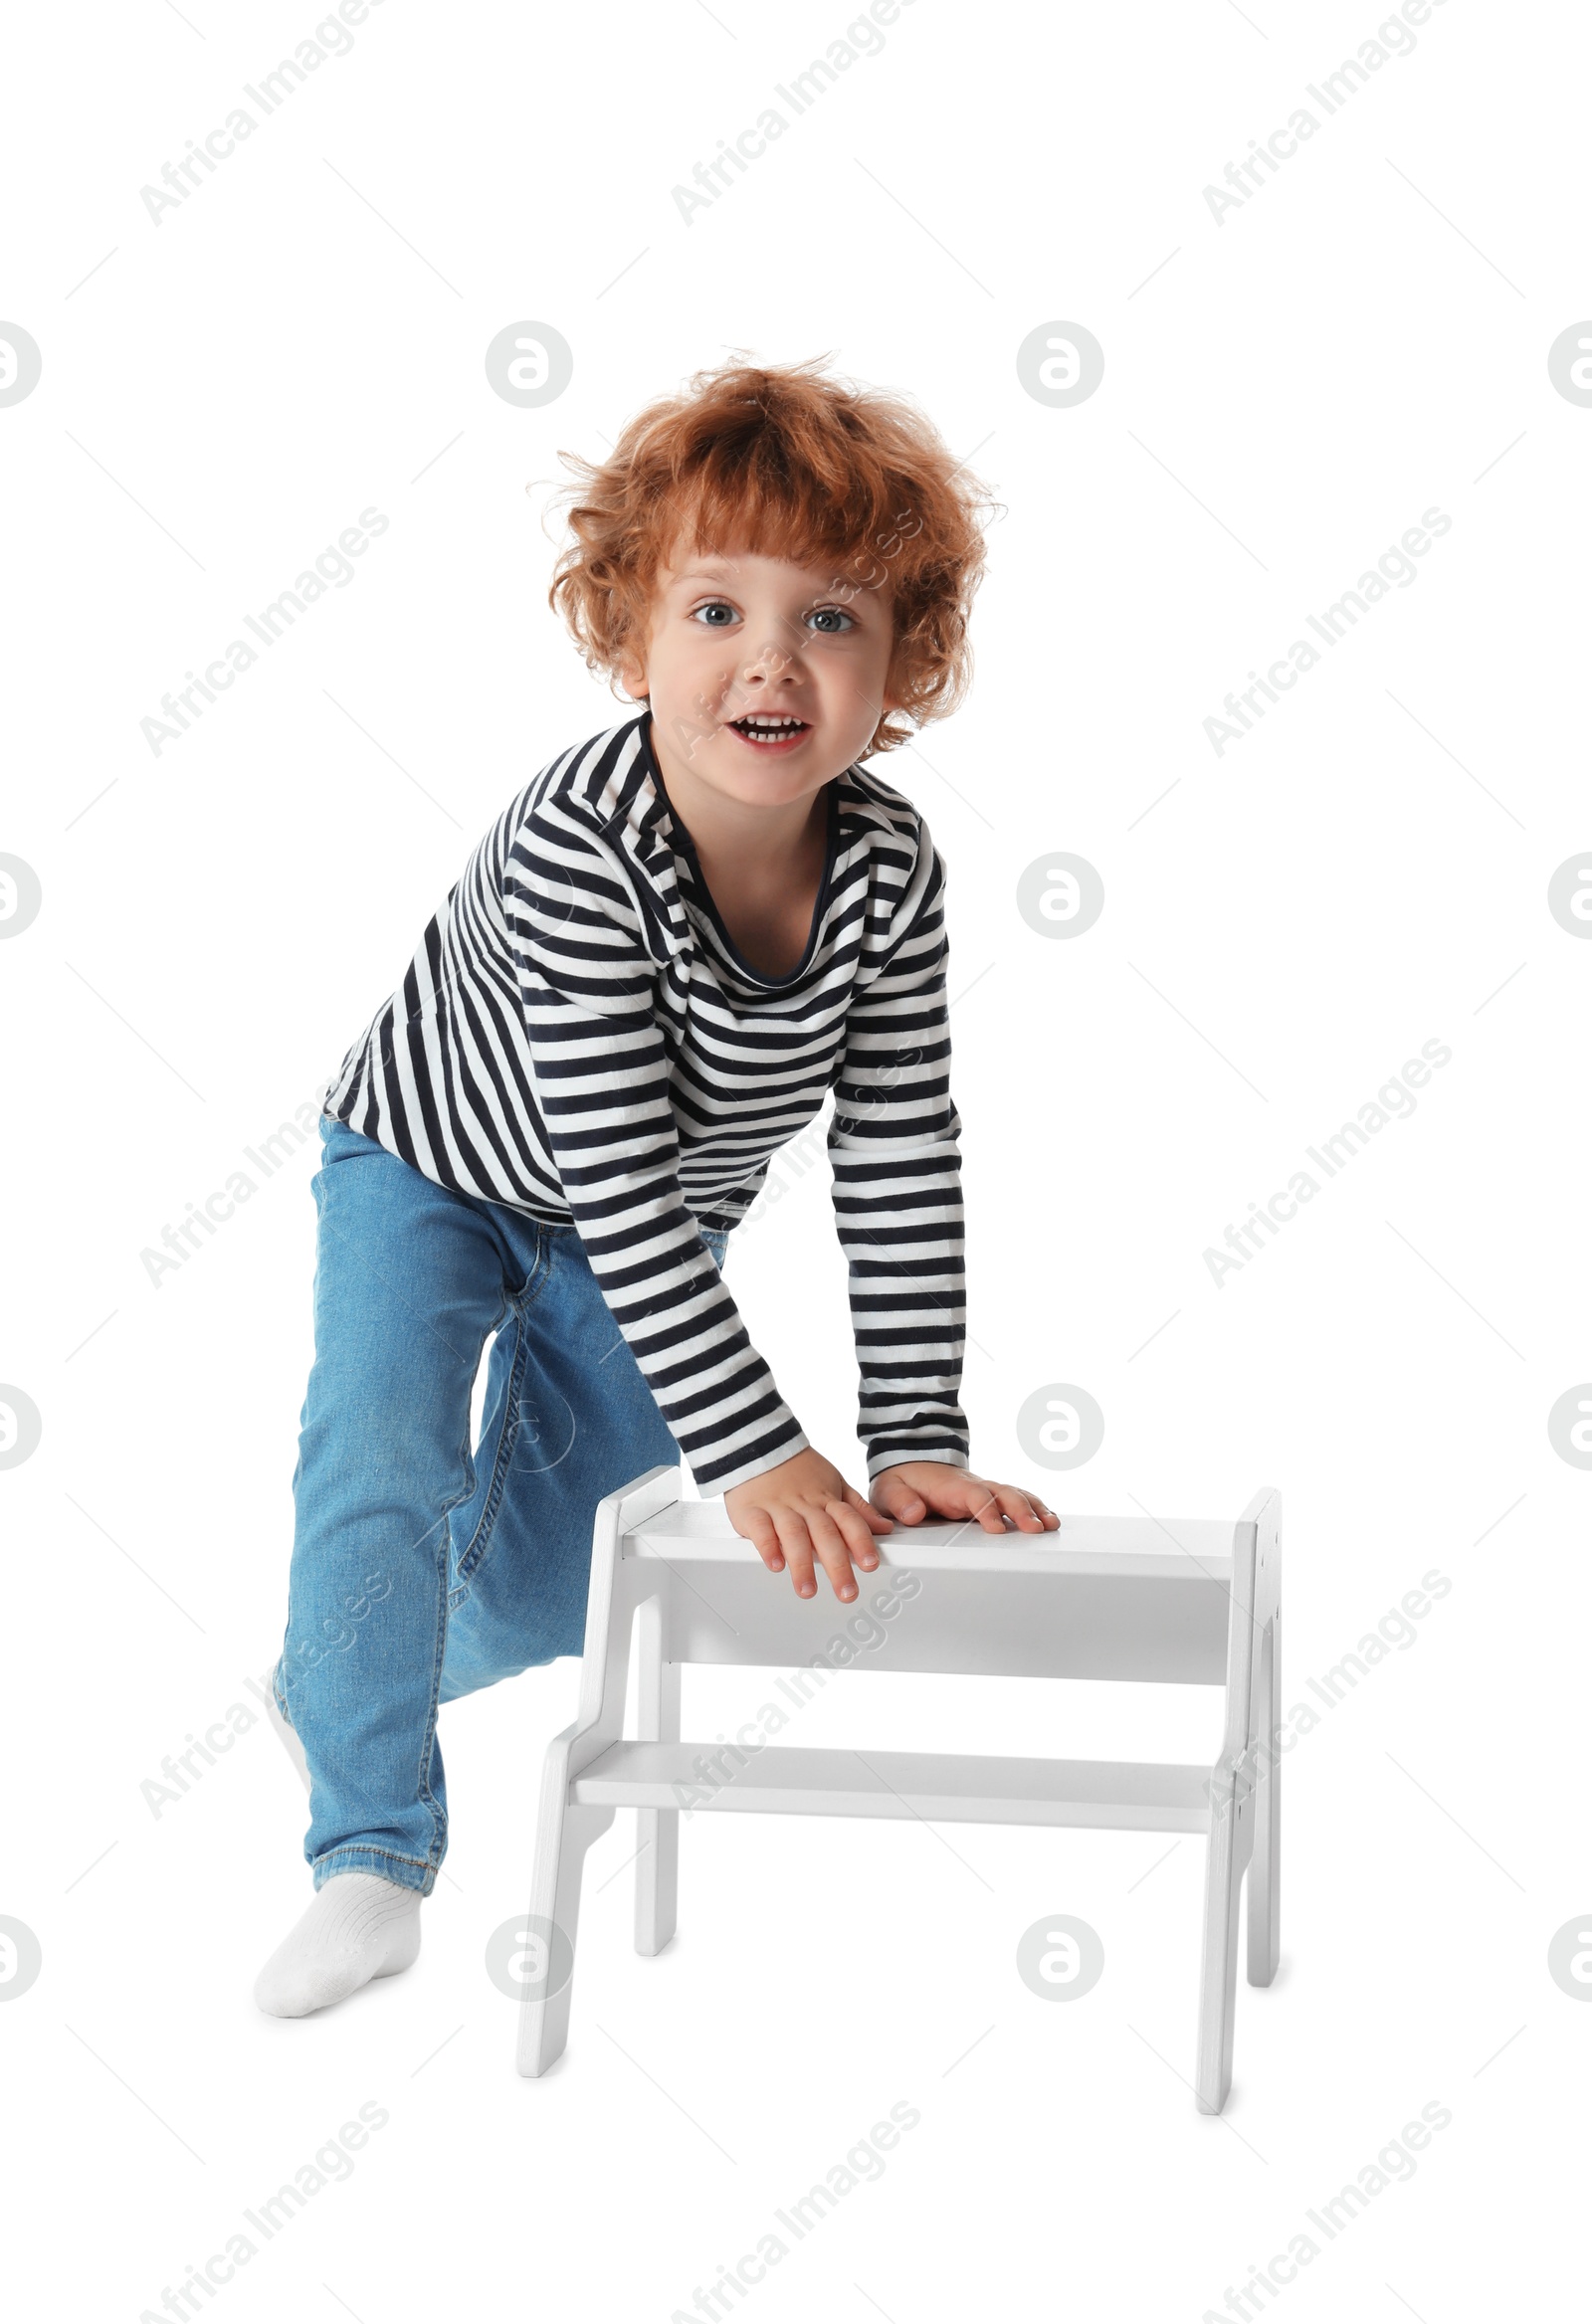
[(579, 1038)]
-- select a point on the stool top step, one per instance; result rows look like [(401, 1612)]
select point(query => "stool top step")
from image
[(1194, 1549)]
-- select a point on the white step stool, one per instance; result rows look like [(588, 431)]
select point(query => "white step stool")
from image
[(1195, 1601)]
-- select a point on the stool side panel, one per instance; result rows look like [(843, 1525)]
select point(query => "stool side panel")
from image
[(973, 1625)]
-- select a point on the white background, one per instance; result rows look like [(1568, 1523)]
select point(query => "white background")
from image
[(1285, 392)]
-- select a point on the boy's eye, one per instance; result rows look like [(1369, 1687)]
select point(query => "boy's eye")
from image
[(833, 612), (715, 605)]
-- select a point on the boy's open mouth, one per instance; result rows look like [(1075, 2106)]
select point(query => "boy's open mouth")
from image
[(769, 731)]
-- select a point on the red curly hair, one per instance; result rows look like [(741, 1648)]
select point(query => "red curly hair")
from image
[(779, 461)]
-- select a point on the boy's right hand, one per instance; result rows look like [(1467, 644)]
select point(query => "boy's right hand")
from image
[(805, 1509)]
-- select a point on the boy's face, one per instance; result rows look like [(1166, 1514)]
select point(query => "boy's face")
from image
[(737, 637)]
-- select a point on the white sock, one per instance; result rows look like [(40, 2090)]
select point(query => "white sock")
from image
[(358, 1927), (284, 1733)]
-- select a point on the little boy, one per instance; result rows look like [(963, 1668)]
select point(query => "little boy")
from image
[(670, 948)]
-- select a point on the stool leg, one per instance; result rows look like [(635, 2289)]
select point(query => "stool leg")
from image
[(1265, 1876), (1224, 1865), (657, 1829), (564, 1836)]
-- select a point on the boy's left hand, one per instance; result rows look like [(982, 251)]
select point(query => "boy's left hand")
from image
[(915, 1490)]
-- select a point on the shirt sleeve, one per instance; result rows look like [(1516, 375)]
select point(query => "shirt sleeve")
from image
[(587, 981), (896, 1160)]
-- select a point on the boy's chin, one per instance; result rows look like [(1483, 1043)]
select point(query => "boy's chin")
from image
[(777, 787), (796, 777)]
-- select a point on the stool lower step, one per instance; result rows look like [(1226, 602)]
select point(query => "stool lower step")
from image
[(1112, 1795)]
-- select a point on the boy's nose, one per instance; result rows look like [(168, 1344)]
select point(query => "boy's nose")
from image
[(770, 663)]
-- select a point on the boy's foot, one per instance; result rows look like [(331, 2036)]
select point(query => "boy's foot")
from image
[(358, 1927), (284, 1733)]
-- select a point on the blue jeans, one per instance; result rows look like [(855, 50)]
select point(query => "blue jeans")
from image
[(421, 1570)]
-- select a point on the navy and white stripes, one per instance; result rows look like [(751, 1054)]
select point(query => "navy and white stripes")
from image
[(577, 1036)]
